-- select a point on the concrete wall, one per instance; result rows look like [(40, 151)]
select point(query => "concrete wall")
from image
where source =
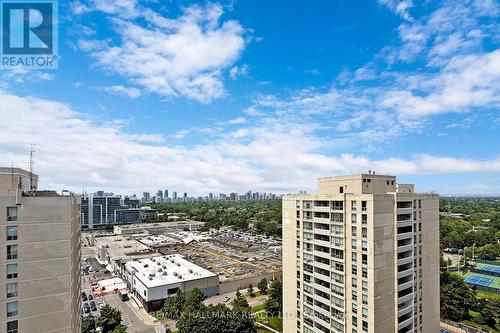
[(48, 264), (242, 284), (289, 265)]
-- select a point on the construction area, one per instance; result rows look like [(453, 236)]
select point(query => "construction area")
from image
[(239, 259)]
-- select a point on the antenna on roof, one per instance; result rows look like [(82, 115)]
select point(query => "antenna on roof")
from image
[(32, 162), (12, 172)]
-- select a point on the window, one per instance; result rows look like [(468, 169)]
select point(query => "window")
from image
[(364, 245), (364, 285), (364, 219), (11, 213), (364, 272), (354, 282), (11, 233), (353, 230), (363, 206), (12, 326), (365, 299), (341, 189), (353, 244), (364, 232), (354, 308), (11, 309), (354, 257), (353, 205), (365, 312), (354, 295), (11, 252), (11, 271), (11, 290)]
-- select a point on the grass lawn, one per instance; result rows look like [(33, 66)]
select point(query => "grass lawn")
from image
[(262, 330), (258, 308), (273, 322)]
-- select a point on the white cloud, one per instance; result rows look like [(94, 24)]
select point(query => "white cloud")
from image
[(238, 71), (268, 155), (237, 121), (400, 7), (466, 82), (181, 134), (185, 56), (122, 8), (129, 92)]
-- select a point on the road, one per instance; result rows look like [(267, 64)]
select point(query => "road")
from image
[(129, 315)]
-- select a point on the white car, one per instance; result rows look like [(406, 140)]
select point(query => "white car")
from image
[(226, 299)]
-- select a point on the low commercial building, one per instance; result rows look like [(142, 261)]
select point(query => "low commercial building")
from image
[(157, 228), (152, 280)]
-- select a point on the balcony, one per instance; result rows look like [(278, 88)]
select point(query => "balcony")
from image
[(405, 285), (404, 273), (405, 298), (405, 310), (405, 248), (322, 220), (404, 261), (405, 323), (405, 235), (406, 210), (325, 209)]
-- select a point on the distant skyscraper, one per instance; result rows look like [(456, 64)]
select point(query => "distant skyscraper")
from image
[(233, 196), (146, 197), (159, 196), (366, 247), (174, 196), (166, 194), (210, 196), (40, 250)]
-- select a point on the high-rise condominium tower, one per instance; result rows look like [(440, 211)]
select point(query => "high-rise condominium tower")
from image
[(362, 255), (39, 257)]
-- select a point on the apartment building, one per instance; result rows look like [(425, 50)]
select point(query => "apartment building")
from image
[(362, 255), (39, 257)]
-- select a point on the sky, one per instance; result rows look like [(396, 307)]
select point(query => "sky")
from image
[(261, 95)]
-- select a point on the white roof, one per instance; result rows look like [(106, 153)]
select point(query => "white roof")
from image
[(165, 270)]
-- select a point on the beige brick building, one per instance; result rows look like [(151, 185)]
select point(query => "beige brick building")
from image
[(362, 255), (39, 257)]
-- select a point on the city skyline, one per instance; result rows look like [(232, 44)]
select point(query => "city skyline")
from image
[(234, 96)]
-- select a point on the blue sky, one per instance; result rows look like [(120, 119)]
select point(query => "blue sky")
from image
[(262, 95)]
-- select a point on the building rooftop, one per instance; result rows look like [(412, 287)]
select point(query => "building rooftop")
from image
[(164, 270)]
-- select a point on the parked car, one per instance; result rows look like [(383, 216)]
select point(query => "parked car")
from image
[(84, 297), (93, 306), (86, 307), (90, 297), (226, 299), (101, 304)]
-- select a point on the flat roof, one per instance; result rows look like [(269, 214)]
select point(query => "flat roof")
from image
[(165, 270)]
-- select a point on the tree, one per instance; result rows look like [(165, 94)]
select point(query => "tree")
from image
[(491, 311), (88, 324), (120, 329), (216, 319), (194, 301), (109, 319), (173, 305), (276, 292), (262, 285), (456, 297), (272, 307), (238, 294), (250, 291), (240, 304)]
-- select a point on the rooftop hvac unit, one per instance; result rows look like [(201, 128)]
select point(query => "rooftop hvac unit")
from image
[(190, 270), (146, 265), (180, 276), (165, 274), (164, 266), (160, 270), (175, 274)]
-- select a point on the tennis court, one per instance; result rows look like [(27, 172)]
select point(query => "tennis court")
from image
[(482, 281), (488, 269), (478, 280)]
